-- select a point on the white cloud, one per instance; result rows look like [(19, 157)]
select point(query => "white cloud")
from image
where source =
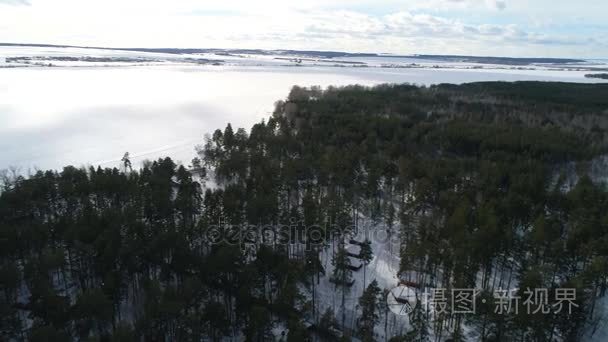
[(14, 2), (404, 26), (498, 4), (420, 26)]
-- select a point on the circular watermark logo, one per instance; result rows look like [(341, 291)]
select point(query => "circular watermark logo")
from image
[(401, 300)]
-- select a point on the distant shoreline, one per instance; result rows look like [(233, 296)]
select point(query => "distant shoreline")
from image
[(327, 54), (601, 76)]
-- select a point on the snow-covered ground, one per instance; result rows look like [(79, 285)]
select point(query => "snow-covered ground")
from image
[(383, 268)]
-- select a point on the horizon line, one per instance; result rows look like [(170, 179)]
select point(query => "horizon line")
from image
[(378, 54)]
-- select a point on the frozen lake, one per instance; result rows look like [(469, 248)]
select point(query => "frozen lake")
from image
[(51, 117)]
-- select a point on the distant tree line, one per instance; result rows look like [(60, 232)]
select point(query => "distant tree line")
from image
[(602, 76)]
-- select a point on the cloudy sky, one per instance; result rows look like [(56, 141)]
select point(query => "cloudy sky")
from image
[(558, 28)]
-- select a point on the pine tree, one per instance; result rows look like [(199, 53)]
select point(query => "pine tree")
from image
[(366, 255), (342, 275), (419, 324), (369, 303)]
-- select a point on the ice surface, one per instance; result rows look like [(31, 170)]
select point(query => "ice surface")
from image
[(84, 113)]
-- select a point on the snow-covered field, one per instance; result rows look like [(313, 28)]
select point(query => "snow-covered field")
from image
[(154, 104)]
